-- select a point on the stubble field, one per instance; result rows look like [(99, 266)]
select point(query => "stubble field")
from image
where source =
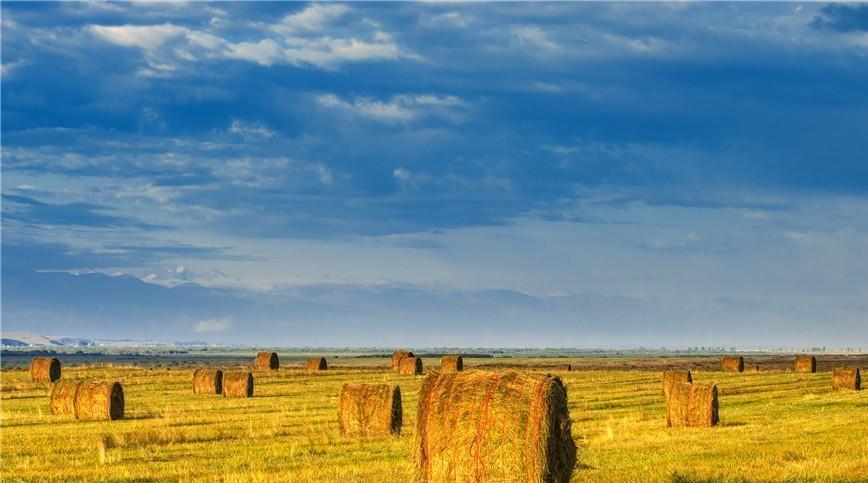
[(775, 426)]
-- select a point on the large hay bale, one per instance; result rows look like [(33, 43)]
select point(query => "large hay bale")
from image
[(564, 367), (692, 405), (370, 410), (396, 358), (44, 369), (410, 366), (317, 364), (452, 363), (732, 363), (266, 361), (62, 399), (844, 378), (237, 384), (99, 401), (806, 364), (493, 426), (207, 381)]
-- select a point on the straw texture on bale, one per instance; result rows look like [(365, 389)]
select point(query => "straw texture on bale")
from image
[(396, 358), (237, 384), (44, 369), (317, 364), (410, 366), (752, 368), (62, 399), (370, 410), (564, 367), (451, 363), (484, 426), (670, 378), (732, 363), (266, 361), (846, 379), (692, 405), (207, 381), (806, 364), (99, 401)]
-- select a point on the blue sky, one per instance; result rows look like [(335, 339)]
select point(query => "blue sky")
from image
[(437, 174)]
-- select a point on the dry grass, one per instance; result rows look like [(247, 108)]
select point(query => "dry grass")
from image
[(774, 426)]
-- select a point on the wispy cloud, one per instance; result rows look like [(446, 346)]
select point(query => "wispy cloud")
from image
[(213, 325)]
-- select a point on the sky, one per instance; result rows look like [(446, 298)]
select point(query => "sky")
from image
[(437, 174)]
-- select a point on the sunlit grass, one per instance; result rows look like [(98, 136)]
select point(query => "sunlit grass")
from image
[(775, 426)]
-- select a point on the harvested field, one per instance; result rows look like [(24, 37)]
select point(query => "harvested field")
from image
[(774, 426)]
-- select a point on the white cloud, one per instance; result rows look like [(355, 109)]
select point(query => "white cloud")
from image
[(400, 108), (214, 325), (313, 18), (147, 37), (798, 236), (251, 130), (265, 52), (534, 37)]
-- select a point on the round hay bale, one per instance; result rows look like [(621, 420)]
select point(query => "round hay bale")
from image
[(410, 366), (692, 405), (451, 363), (805, 364), (62, 399), (99, 401), (493, 426), (238, 384), (564, 367), (732, 363), (44, 369), (396, 358), (317, 364), (266, 361), (370, 410), (670, 378), (846, 379), (207, 381)]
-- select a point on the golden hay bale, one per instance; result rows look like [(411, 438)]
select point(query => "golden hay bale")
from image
[(692, 405), (396, 358), (62, 399), (317, 364), (44, 369), (493, 426), (99, 401), (844, 378), (207, 381), (266, 361), (238, 384), (563, 367), (410, 366), (732, 363), (752, 368), (370, 410), (451, 363), (806, 364), (670, 379)]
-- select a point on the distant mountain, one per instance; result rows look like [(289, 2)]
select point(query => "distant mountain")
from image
[(27, 339)]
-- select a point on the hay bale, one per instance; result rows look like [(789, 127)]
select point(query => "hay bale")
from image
[(410, 366), (563, 367), (493, 426), (692, 405), (62, 398), (99, 401), (207, 381), (44, 369), (237, 384), (317, 364), (452, 363), (732, 363), (670, 378), (844, 378), (266, 361), (752, 368), (806, 364), (396, 358), (370, 410)]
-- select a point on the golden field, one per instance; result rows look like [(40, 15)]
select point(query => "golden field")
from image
[(775, 426)]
